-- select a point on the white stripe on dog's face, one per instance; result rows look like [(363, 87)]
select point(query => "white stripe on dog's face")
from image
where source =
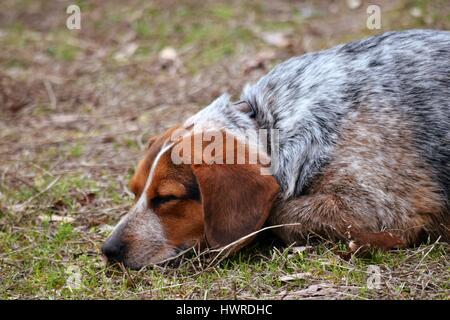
[(142, 204)]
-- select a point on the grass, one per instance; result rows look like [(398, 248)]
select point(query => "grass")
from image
[(40, 256), (63, 179), (39, 263)]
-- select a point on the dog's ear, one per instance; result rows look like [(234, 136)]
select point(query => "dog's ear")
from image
[(151, 141), (236, 201), (160, 139)]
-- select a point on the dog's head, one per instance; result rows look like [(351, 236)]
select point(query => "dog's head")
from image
[(202, 201)]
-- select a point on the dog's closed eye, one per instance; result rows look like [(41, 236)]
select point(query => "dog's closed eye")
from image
[(159, 200)]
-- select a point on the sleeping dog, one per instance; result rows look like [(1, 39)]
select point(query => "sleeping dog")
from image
[(362, 144)]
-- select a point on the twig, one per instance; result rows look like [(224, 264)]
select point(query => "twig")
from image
[(42, 169), (51, 184), (51, 93), (219, 251), (427, 253), (130, 279), (242, 239)]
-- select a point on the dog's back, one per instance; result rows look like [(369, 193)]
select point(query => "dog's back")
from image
[(364, 135)]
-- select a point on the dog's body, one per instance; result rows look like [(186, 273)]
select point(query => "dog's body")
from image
[(364, 136)]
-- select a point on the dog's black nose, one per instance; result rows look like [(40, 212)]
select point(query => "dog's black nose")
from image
[(114, 249)]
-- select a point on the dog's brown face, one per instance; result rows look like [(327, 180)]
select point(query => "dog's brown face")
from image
[(181, 205)]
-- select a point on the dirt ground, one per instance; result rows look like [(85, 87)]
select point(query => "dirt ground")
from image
[(77, 107)]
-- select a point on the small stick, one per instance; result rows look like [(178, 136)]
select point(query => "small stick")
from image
[(427, 253), (130, 279), (51, 93), (51, 184)]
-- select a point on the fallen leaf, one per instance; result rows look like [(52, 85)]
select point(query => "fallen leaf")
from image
[(64, 118), (277, 39), (85, 199), (314, 290), (56, 218), (353, 246), (105, 228), (168, 53), (260, 61), (295, 276), (169, 58), (354, 4), (126, 52), (108, 139), (416, 12), (382, 240), (301, 249), (296, 250), (58, 205)]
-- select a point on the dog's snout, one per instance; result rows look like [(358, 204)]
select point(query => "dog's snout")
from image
[(114, 249)]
